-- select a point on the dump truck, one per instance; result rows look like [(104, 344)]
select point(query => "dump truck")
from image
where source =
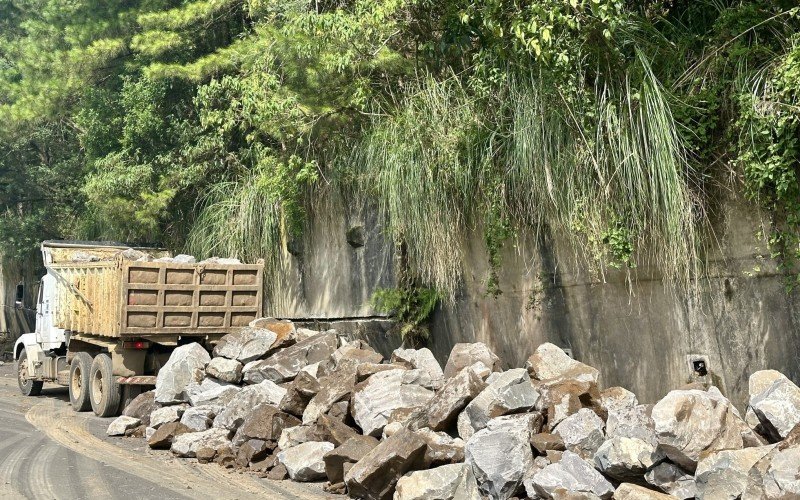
[(108, 316)]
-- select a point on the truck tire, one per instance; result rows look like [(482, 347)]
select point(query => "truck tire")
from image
[(105, 391), (79, 387), (28, 387)]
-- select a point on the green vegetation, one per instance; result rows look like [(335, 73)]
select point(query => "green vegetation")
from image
[(211, 125)]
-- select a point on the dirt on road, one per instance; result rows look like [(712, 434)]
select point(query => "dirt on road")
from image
[(47, 451)]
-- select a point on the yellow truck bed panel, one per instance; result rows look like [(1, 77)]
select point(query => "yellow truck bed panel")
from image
[(127, 298)]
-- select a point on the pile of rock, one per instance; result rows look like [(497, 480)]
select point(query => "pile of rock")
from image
[(293, 403)]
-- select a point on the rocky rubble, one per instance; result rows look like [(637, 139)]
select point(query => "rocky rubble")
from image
[(293, 403)]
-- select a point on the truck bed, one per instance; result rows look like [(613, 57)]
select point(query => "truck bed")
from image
[(150, 299)]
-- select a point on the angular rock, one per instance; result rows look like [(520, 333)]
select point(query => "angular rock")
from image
[(467, 354), (724, 474), (166, 415), (672, 480), (782, 479), (545, 441), (185, 365), (634, 422), (375, 399), (626, 459), (694, 423), (333, 388), (186, 445), (442, 449), (441, 411), (121, 424), (775, 400), (136, 432), (304, 462), (551, 362), (617, 398), (357, 352), (561, 398), (499, 456), (374, 476), (199, 418), (285, 364), (334, 430), (421, 359), (253, 450), (211, 392), (278, 473), (245, 401), (226, 370), (247, 345), (351, 451), (292, 436), (142, 406), (573, 474), (265, 422), (366, 370), (164, 436), (299, 393), (501, 396), (582, 432), (628, 491), (285, 329), (448, 481)]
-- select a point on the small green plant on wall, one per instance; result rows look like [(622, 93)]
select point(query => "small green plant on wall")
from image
[(411, 307)]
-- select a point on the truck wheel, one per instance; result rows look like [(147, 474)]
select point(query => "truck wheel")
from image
[(28, 387), (79, 370), (105, 391)]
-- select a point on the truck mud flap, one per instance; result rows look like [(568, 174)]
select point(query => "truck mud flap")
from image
[(137, 380)]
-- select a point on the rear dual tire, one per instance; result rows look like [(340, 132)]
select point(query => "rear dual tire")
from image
[(105, 393), (79, 371)]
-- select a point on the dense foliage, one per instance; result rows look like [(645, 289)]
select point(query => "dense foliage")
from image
[(210, 125)]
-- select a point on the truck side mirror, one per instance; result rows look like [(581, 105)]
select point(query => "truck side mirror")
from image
[(20, 295)]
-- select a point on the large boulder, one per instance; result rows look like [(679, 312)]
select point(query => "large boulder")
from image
[(199, 418), (628, 491), (245, 401), (500, 455), (632, 422), (441, 412), (247, 345), (299, 393), (562, 397), (672, 480), (375, 399), (465, 354), (211, 392), (186, 445), (304, 462), (442, 448), (349, 452), (448, 481), (186, 364), (122, 424), (292, 436), (551, 362), (163, 437), (775, 400), (782, 478), (224, 369), (265, 422), (626, 459), (286, 363), (507, 392), (421, 359), (573, 474), (335, 387), (142, 406), (724, 474), (334, 429), (374, 476), (693, 423), (617, 398), (582, 432)]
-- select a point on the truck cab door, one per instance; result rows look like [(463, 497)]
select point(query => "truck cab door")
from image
[(47, 334)]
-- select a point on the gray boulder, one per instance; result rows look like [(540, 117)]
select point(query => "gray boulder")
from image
[(500, 455), (506, 392), (211, 392), (724, 474), (582, 432), (673, 480), (185, 365), (349, 452), (628, 491), (448, 481), (693, 423), (632, 422), (122, 424), (626, 459), (775, 400), (421, 359), (782, 479), (245, 401), (247, 345), (186, 445), (441, 412), (617, 398), (573, 474), (199, 418), (286, 363), (442, 449), (224, 369), (304, 462), (166, 415), (379, 396), (467, 354)]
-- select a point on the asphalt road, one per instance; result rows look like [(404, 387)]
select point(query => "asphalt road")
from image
[(47, 451)]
